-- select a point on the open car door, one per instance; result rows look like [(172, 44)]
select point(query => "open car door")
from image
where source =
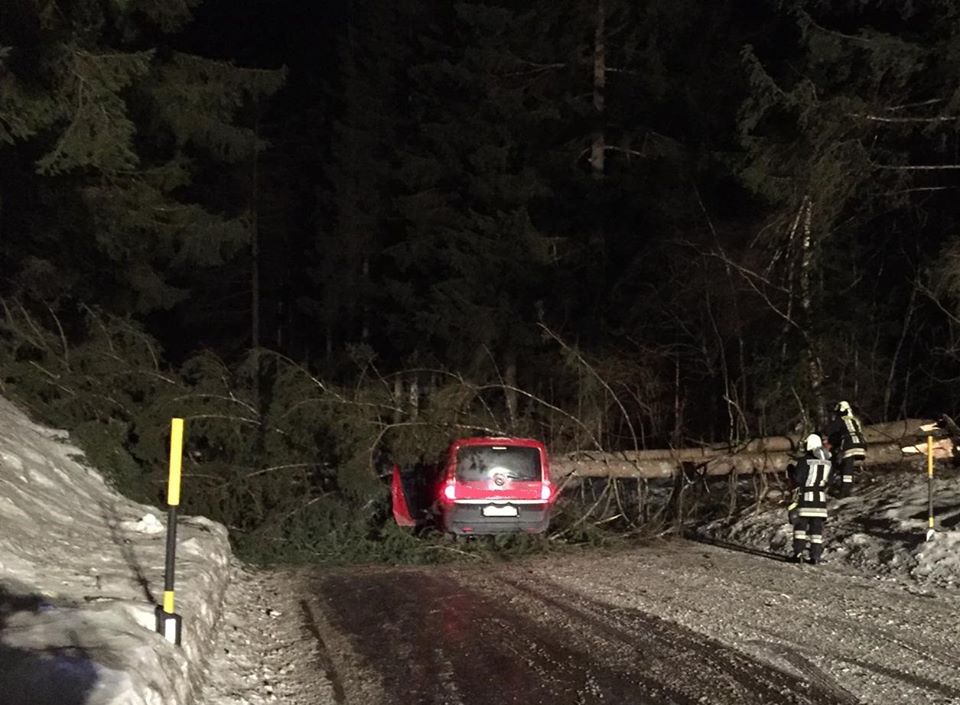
[(398, 498)]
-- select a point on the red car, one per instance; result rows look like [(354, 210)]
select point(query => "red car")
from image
[(482, 486)]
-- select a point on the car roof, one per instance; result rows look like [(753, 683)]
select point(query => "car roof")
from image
[(498, 441)]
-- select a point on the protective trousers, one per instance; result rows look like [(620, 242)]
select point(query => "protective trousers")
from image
[(808, 532), (848, 467)]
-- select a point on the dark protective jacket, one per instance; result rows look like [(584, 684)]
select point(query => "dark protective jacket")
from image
[(846, 437), (810, 476)]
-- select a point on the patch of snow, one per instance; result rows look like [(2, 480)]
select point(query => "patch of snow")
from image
[(149, 524), (81, 572), (880, 531), (938, 560)]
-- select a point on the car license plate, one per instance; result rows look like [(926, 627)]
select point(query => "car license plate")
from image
[(492, 510)]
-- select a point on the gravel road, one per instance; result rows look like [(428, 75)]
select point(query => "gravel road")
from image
[(672, 622)]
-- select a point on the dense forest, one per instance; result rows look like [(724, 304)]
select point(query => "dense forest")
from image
[(332, 235)]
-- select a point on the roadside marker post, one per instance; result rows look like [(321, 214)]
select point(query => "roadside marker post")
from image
[(169, 623), (931, 532)]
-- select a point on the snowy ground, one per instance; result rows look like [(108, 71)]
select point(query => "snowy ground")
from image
[(81, 570), (880, 531)]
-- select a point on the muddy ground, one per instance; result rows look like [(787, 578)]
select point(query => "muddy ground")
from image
[(671, 622)]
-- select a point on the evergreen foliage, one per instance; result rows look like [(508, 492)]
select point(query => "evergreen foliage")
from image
[(105, 137), (596, 222), (856, 121), (304, 480)]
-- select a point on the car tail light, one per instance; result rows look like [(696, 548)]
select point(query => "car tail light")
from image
[(546, 491), (450, 490)]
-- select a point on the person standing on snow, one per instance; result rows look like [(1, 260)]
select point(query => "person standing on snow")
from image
[(810, 477), (845, 434)]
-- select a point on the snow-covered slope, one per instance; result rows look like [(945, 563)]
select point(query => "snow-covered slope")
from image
[(81, 570), (880, 531)]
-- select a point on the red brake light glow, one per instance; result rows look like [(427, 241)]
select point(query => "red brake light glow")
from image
[(450, 490)]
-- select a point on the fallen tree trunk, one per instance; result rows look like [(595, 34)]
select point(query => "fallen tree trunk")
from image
[(887, 443)]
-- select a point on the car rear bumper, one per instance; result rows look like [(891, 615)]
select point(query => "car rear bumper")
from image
[(468, 518)]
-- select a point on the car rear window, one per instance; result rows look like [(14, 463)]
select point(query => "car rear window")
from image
[(484, 462)]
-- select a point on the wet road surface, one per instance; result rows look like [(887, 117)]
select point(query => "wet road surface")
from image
[(461, 637)]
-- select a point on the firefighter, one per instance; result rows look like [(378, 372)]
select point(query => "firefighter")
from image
[(845, 435), (810, 476)]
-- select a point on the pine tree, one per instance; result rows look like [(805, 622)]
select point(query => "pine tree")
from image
[(359, 215), (113, 140), (849, 136), (470, 267)]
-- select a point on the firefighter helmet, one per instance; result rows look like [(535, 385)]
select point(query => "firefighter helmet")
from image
[(813, 442), (842, 408)]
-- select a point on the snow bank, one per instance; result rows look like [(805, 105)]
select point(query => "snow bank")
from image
[(81, 570), (880, 531)]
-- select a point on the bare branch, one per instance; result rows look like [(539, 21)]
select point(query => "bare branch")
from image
[(936, 301), (614, 148), (881, 118), (241, 419), (264, 471), (103, 329), (34, 327), (63, 337), (921, 189), (232, 399), (535, 68), (598, 377), (918, 167), (503, 383), (548, 405), (921, 104)]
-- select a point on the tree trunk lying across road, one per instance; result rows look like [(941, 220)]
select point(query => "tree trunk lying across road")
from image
[(887, 443)]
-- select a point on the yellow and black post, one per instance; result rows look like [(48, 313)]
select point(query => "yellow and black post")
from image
[(169, 623), (931, 532)]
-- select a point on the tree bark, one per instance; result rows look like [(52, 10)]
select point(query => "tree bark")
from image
[(510, 378), (398, 399), (885, 441), (814, 366), (255, 234), (888, 390), (599, 146), (413, 397)]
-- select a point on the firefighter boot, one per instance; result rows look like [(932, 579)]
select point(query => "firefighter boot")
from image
[(816, 549), (846, 487), (799, 546)]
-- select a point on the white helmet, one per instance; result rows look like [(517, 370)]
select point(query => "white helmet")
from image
[(842, 408), (813, 442)]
